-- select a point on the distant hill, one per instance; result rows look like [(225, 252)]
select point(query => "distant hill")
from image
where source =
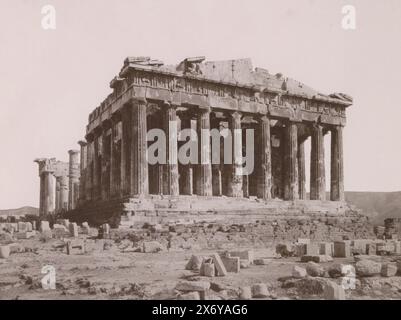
[(20, 211), (377, 205)]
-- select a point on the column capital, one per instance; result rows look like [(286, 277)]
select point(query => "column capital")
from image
[(106, 125), (236, 115), (202, 109), (138, 100), (72, 152), (263, 118), (82, 143)]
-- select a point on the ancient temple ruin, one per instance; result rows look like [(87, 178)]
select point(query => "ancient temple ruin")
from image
[(116, 179)]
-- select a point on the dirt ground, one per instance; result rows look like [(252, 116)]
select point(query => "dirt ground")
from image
[(109, 271)]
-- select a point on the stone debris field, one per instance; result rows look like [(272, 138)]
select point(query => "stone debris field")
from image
[(202, 261)]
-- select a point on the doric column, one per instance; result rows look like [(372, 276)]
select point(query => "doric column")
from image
[(204, 171), (235, 174), (97, 164), (125, 151), (264, 188), (73, 175), (105, 160), (89, 170), (49, 193), (57, 204), (83, 166), (217, 186), (186, 182), (170, 181), (301, 170), (317, 174), (337, 165), (64, 193), (291, 163), (114, 157), (139, 163)]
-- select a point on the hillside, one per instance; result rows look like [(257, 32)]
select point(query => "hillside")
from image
[(20, 211), (377, 205)]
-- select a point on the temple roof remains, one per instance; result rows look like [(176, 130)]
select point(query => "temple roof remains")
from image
[(238, 72)]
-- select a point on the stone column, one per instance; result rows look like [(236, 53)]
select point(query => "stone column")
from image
[(204, 168), (64, 192), (97, 165), (235, 174), (301, 170), (187, 169), (337, 165), (125, 151), (105, 160), (264, 188), (170, 181), (49, 193), (291, 163), (89, 169), (317, 175), (217, 185), (114, 164), (83, 166), (57, 195), (139, 163), (73, 175)]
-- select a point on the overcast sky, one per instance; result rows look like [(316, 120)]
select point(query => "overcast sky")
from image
[(51, 80)]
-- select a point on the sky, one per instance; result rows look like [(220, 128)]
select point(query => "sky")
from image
[(50, 80)]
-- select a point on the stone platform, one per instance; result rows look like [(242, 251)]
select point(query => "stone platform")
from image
[(193, 209)]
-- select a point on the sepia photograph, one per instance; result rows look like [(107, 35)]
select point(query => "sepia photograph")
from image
[(223, 151)]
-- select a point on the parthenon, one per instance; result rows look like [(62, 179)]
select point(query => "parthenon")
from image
[(201, 95)]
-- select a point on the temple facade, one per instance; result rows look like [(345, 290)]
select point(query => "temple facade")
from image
[(201, 95)]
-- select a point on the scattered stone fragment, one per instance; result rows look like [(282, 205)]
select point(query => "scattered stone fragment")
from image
[(232, 264), (389, 269), (73, 230), (245, 293), (299, 272), (315, 270), (85, 228), (333, 291), (367, 268), (261, 262), (368, 257), (4, 252), (338, 270), (221, 269), (260, 290), (244, 264), (194, 263), (29, 227), (316, 258), (244, 255), (285, 250), (207, 268), (193, 285), (44, 226), (22, 227), (152, 247)]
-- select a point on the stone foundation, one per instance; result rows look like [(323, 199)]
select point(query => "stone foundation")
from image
[(274, 220)]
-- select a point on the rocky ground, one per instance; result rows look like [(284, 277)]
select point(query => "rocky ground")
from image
[(117, 269)]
